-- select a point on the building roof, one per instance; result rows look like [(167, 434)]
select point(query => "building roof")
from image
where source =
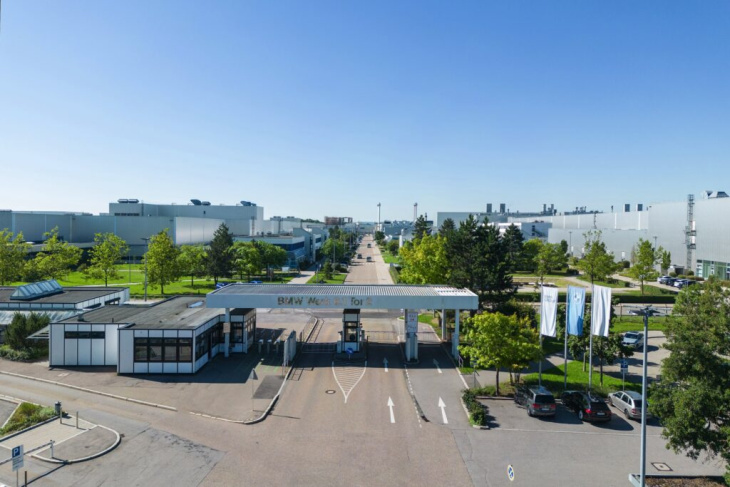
[(341, 296), (70, 295), (109, 314)]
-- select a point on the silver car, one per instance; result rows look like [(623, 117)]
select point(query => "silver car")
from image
[(629, 402), (633, 339)]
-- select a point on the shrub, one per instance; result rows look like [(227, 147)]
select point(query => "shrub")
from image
[(26, 416), (477, 412), (672, 274)]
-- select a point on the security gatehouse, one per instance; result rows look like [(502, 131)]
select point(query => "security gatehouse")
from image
[(351, 299)]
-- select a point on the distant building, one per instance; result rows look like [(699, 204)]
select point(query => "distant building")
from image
[(332, 221)]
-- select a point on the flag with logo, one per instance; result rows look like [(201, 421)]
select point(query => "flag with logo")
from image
[(548, 311), (600, 310), (576, 307)]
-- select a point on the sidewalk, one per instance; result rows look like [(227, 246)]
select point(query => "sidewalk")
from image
[(73, 441)]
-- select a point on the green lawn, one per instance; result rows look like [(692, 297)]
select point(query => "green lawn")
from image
[(578, 380), (389, 258), (610, 283), (25, 416), (636, 323), (337, 278)]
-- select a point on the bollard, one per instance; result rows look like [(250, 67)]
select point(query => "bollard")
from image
[(77, 420), (52, 456), (276, 346), (261, 344), (268, 345)]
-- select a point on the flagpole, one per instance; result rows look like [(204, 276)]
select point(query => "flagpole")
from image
[(539, 364), (565, 352), (590, 341)]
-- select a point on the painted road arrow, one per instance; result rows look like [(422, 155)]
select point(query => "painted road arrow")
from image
[(385, 364), (390, 405), (443, 410), (435, 362)]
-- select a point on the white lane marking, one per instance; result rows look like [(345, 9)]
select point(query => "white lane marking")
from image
[(443, 410), (385, 363), (349, 375), (436, 363), (390, 406)]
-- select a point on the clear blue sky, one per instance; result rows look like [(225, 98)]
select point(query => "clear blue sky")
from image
[(314, 108)]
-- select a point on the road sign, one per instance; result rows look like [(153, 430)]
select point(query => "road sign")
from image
[(624, 364), (411, 321), (510, 473), (17, 458)]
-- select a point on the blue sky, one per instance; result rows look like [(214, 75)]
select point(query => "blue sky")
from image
[(329, 107)]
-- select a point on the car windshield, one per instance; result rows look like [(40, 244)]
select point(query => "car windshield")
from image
[(631, 336), (543, 399)]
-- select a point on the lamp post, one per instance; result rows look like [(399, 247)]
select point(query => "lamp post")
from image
[(646, 312), (570, 242), (147, 242)]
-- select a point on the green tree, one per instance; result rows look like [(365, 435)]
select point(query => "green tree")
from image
[(393, 247), (447, 228), (597, 263), (549, 258), (246, 259), (107, 251), (191, 261), (425, 262), (334, 249), (421, 228), (271, 256), (693, 397), (21, 327), (528, 257), (644, 268), (162, 262), (665, 260), (513, 241), (12, 256), (327, 270), (220, 255), (499, 341), (379, 237), (57, 257)]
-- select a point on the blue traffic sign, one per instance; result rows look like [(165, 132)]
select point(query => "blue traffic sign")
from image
[(624, 364), (510, 473), (17, 458)]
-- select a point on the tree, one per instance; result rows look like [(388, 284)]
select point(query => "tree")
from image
[(379, 237), (220, 256), (528, 259), (597, 263), (327, 270), (425, 262), (499, 341), (109, 250), (513, 241), (12, 256), (665, 260), (334, 249), (271, 256), (247, 259), (57, 257), (421, 228), (447, 228), (393, 247), (549, 258), (161, 260), (644, 266), (192, 261), (693, 397), (21, 327)]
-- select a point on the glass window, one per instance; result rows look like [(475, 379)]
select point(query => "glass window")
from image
[(155, 349), (140, 350), (185, 350), (170, 350)]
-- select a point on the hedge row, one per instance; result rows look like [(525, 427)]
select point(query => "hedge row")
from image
[(477, 412)]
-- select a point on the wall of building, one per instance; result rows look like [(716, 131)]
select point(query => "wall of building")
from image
[(76, 351)]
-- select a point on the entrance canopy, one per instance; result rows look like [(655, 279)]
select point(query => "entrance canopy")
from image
[(341, 296)]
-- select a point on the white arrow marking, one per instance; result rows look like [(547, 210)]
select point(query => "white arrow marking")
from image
[(443, 410), (385, 363), (435, 362), (390, 405)]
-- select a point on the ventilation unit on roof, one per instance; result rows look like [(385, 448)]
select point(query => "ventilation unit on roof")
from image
[(195, 202), (205, 203)]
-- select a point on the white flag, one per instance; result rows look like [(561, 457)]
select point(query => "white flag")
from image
[(548, 311), (600, 310)]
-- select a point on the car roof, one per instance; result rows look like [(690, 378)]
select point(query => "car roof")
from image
[(540, 390), (633, 394)]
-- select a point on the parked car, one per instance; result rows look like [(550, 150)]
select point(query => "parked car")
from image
[(633, 339), (359, 256), (537, 400), (369, 259), (629, 402), (682, 283), (587, 406), (669, 281)]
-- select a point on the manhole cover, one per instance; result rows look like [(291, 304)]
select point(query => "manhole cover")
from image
[(330, 391), (662, 467)]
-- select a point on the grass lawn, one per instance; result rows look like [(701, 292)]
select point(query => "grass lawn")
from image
[(578, 380), (25, 416), (636, 323), (559, 282), (389, 258), (611, 283), (337, 278), (651, 291)]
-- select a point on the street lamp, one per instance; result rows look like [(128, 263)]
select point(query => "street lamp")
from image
[(570, 244), (646, 312), (147, 242)]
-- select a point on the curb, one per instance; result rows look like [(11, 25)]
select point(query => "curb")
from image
[(20, 432), (83, 459), (91, 391)]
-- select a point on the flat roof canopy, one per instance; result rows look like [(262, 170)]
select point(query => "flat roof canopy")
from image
[(341, 296)]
